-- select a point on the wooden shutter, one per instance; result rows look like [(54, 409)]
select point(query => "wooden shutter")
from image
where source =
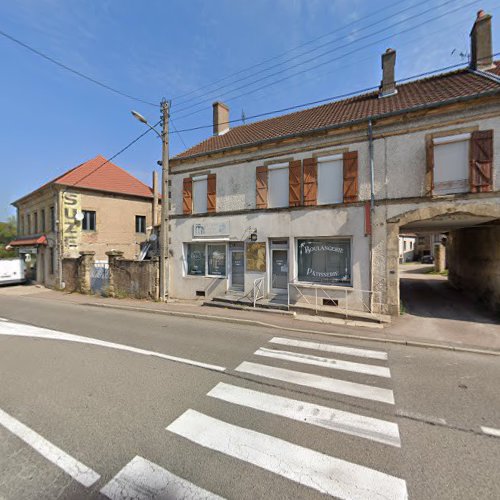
[(350, 176), (261, 187), (310, 181), (211, 192), (187, 195), (481, 161), (294, 175), (429, 168)]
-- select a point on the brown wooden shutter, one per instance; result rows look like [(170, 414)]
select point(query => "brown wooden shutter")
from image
[(350, 176), (187, 195), (310, 181), (481, 161), (294, 183), (261, 187), (211, 192), (429, 169)]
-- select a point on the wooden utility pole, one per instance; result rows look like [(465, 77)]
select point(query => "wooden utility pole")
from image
[(164, 223)]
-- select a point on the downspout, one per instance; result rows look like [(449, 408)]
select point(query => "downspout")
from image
[(372, 206)]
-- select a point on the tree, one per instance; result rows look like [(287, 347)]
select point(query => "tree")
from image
[(8, 231)]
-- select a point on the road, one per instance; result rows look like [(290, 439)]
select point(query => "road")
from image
[(98, 403)]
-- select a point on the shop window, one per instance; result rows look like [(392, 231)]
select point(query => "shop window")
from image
[(89, 220), (451, 164), (206, 259), (330, 179), (140, 223), (278, 185), (200, 205), (326, 261)]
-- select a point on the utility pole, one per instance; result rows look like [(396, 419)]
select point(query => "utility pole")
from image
[(164, 223)]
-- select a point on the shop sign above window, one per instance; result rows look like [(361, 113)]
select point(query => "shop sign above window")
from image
[(211, 230)]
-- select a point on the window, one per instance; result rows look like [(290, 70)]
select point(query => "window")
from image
[(140, 223), (200, 205), (35, 217), (42, 220), (206, 259), (330, 179), (451, 164), (28, 223), (88, 222), (325, 261), (278, 185), (52, 219), (52, 258)]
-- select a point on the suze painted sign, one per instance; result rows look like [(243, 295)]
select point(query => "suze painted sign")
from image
[(211, 230), (71, 226), (324, 261)]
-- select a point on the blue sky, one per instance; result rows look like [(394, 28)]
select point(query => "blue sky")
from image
[(52, 120)]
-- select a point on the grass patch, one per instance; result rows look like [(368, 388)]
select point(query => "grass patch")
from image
[(442, 273)]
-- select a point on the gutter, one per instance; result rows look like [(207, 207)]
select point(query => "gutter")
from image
[(336, 126)]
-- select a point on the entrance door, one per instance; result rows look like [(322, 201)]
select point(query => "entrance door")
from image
[(237, 270), (279, 275)]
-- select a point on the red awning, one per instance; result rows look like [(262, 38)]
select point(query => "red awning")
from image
[(29, 242)]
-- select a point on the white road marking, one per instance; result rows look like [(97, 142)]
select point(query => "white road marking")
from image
[(3, 319), (20, 330), (374, 429), (319, 382), (337, 364), (321, 472), (78, 471), (350, 351), (141, 479), (491, 431)]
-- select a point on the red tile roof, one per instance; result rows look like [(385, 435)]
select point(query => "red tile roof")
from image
[(99, 174), (29, 242), (427, 91)]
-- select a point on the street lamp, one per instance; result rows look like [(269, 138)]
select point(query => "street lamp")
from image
[(164, 267)]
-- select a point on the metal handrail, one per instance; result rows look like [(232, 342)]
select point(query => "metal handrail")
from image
[(258, 289)]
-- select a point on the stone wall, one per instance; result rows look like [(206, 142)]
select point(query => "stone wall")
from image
[(70, 275), (473, 256)]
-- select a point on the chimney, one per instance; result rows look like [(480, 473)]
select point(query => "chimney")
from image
[(480, 42), (388, 83), (155, 198), (221, 118)]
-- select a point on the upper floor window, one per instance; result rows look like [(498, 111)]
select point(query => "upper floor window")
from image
[(199, 194), (278, 185), (35, 220), (451, 164), (52, 219), (140, 223), (42, 219), (330, 179), (89, 220), (28, 223), (200, 202)]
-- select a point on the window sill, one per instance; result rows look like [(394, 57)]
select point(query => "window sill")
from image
[(203, 276)]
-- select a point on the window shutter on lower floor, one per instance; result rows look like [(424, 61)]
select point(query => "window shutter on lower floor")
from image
[(211, 192), (481, 161), (350, 176), (187, 195), (294, 183), (310, 181), (261, 187)]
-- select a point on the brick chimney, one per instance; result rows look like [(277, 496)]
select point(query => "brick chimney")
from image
[(221, 118), (480, 42), (388, 83)]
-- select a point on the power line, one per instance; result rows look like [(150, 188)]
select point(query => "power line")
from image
[(303, 53), (332, 98), (177, 132), (330, 60), (74, 71)]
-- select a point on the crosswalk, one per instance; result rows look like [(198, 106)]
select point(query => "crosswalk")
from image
[(332, 475)]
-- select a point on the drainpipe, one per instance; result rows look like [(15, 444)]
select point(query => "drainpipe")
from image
[(372, 205)]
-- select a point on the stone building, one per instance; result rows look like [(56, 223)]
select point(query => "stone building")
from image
[(96, 206), (312, 203)]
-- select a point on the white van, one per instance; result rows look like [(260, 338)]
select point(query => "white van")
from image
[(12, 271)]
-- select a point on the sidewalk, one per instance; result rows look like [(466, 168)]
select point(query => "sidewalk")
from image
[(402, 331)]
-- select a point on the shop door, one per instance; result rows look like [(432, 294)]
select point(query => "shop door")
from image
[(237, 270), (279, 276)]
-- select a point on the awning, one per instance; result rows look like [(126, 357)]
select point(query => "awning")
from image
[(29, 242)]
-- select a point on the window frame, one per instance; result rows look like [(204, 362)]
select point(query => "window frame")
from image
[(274, 167), (35, 220), (194, 180), (85, 212), (140, 220), (43, 221), (52, 211), (206, 245), (325, 159)]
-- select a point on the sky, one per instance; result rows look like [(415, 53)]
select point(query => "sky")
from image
[(257, 56)]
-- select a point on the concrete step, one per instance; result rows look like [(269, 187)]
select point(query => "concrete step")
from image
[(247, 306), (339, 312)]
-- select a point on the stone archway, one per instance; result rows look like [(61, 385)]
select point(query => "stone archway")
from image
[(439, 213)]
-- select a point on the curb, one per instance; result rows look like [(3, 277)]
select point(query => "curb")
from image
[(251, 322)]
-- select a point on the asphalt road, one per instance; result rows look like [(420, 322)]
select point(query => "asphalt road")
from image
[(284, 423)]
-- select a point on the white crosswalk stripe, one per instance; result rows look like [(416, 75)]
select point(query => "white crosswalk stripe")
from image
[(316, 470), (370, 428), (350, 351), (319, 382), (141, 479), (308, 359)]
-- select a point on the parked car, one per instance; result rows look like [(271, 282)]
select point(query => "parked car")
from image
[(12, 271), (427, 259)]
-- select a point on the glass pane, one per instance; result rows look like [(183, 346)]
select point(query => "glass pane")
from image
[(217, 260), (330, 182), (196, 259), (278, 187), (200, 196), (324, 261)]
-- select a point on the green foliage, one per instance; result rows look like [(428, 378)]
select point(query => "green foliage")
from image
[(8, 231)]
